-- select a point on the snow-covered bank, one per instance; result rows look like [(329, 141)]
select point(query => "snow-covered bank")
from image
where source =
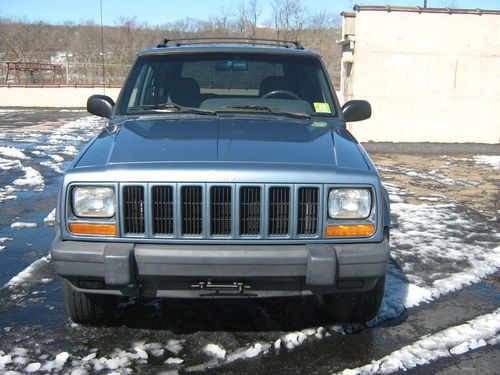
[(481, 331), (26, 275), (491, 160)]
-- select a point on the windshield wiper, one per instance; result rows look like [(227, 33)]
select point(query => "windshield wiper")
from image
[(172, 107), (262, 108)]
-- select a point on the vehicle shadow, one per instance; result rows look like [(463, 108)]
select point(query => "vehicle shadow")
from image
[(255, 315), (244, 315)]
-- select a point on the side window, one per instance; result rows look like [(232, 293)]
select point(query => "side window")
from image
[(145, 88), (139, 87)]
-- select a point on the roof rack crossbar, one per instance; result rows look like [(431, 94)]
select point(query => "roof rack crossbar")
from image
[(230, 40)]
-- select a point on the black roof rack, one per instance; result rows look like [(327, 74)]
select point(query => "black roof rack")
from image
[(229, 40)]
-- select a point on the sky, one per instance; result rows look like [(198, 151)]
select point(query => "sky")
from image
[(160, 12)]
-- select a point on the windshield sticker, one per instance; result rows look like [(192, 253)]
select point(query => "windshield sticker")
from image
[(322, 107), (319, 124)]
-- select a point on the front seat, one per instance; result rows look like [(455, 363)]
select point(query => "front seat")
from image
[(186, 92), (273, 83)]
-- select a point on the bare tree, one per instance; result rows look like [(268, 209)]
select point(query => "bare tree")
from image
[(80, 44), (246, 17), (288, 16), (253, 14)]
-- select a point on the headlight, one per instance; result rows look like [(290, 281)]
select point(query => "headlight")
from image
[(94, 201), (349, 203)]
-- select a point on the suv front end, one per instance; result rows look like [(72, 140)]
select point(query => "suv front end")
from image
[(222, 200)]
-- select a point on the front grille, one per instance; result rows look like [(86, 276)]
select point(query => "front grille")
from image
[(204, 211), (250, 202), (307, 215), (220, 210), (163, 210), (192, 210), (279, 211), (133, 209)]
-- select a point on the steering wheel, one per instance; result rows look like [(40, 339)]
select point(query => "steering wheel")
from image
[(281, 92)]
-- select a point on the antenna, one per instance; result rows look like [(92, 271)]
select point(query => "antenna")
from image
[(102, 55)]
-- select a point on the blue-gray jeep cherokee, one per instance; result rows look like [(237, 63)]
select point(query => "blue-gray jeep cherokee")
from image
[(225, 170)]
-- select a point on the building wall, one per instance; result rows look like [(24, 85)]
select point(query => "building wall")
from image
[(429, 77), (64, 97)]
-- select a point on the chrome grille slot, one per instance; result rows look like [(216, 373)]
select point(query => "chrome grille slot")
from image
[(192, 210), (279, 211), (163, 210), (250, 211), (220, 210), (133, 209), (307, 215)]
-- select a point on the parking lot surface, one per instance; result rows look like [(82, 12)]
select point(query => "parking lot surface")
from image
[(441, 308)]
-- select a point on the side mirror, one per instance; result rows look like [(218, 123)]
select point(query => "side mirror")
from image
[(100, 105), (356, 110)]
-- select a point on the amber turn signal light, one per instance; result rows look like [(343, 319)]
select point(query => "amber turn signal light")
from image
[(94, 229), (350, 230)]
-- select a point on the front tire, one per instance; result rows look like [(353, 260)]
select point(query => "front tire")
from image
[(354, 307), (86, 308)]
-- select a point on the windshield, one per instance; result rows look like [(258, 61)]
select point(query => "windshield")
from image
[(228, 82)]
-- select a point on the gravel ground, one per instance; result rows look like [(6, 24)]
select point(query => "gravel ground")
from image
[(441, 306)]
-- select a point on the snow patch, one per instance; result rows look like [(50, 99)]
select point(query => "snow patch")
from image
[(293, 339), (23, 224), (57, 158), (5, 360), (54, 166), (214, 350), (8, 164), (70, 150), (492, 160), (174, 361), (13, 152), (33, 367), (50, 218), (174, 346), (451, 341), (31, 178), (6, 193), (27, 274), (250, 352)]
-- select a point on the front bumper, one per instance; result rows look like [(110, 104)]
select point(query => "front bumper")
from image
[(169, 270)]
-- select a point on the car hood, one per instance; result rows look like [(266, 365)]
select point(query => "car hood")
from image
[(225, 139)]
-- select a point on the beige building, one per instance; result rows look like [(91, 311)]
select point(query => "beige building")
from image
[(431, 75)]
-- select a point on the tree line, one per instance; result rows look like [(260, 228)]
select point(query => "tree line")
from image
[(78, 47)]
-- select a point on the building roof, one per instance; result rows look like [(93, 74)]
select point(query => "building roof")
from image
[(417, 9)]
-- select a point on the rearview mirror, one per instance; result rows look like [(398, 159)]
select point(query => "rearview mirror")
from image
[(240, 66), (100, 105), (356, 110), (235, 66)]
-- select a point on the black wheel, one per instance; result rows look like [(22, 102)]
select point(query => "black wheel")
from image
[(89, 308), (354, 307)]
